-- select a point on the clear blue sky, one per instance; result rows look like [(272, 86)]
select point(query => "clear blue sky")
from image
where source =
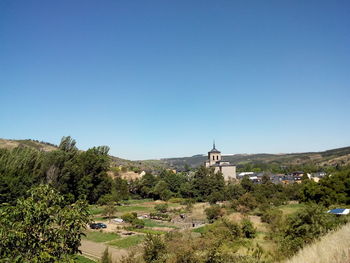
[(154, 79)]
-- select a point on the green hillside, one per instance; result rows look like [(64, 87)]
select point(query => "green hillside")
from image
[(340, 156)]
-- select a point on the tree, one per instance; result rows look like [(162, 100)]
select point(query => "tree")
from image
[(67, 144), (205, 182), (109, 210), (161, 190), (247, 184), (233, 191), (153, 248), (42, 228)]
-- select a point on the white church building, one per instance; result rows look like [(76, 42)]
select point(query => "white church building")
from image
[(226, 168)]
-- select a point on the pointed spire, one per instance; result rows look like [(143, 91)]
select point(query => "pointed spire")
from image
[(213, 144)]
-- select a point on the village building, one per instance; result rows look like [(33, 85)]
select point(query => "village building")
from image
[(226, 168)]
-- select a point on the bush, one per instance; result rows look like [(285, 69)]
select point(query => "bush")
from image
[(138, 223), (305, 226), (129, 217), (248, 229), (161, 208), (215, 197), (272, 216), (213, 212), (248, 200), (133, 220)]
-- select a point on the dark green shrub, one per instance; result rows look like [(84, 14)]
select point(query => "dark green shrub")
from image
[(138, 223), (213, 212), (248, 229), (306, 225), (129, 217)]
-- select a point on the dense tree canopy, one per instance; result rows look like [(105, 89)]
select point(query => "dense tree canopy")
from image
[(41, 228)]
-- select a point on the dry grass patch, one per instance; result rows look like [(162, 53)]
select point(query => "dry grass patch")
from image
[(333, 247)]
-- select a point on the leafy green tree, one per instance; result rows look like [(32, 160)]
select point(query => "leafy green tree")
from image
[(120, 190), (233, 191), (206, 182), (20, 169), (109, 210), (67, 144), (153, 249), (42, 228), (161, 191), (247, 184), (129, 217)]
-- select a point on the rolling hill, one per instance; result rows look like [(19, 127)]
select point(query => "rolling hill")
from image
[(47, 147), (340, 156)]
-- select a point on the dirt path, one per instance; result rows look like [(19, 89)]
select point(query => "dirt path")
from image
[(95, 250)]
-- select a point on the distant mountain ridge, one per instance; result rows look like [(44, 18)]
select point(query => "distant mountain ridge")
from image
[(339, 156)]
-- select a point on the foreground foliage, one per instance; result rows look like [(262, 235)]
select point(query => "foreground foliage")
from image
[(41, 228)]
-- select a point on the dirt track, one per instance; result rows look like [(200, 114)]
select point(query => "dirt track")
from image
[(95, 250)]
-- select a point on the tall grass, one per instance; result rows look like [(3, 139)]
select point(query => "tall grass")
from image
[(332, 248)]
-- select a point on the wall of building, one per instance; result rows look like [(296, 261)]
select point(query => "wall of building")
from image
[(229, 172), (213, 158)]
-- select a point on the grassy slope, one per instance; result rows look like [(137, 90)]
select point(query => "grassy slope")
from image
[(10, 144), (334, 247), (127, 241)]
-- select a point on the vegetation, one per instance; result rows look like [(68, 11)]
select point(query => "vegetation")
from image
[(41, 227), (325, 250), (127, 241), (305, 226), (81, 259), (73, 173), (98, 236), (244, 221)]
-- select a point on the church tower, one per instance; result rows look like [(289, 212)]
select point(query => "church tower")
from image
[(215, 161), (214, 155)]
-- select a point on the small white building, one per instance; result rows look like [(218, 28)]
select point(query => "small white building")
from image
[(226, 168)]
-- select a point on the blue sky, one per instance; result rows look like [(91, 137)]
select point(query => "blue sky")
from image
[(154, 79)]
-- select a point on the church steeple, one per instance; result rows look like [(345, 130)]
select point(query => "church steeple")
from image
[(214, 155)]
